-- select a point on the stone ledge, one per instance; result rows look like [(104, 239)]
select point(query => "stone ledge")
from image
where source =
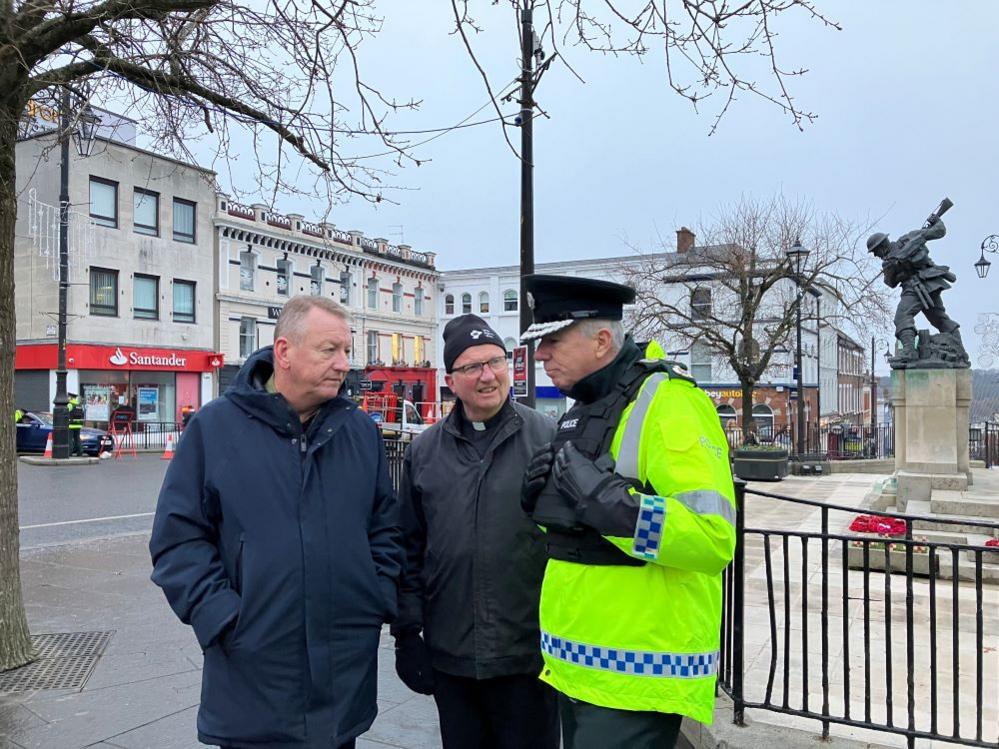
[(36, 460)]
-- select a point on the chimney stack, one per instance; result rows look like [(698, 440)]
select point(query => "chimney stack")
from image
[(684, 239)]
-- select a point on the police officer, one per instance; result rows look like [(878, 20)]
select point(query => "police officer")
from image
[(75, 424), (636, 495), (18, 415)]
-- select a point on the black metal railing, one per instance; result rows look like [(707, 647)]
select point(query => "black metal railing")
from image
[(862, 596), (395, 450), (148, 435)]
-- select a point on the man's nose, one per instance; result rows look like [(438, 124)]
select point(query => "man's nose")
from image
[(487, 373), (341, 362), (541, 352)]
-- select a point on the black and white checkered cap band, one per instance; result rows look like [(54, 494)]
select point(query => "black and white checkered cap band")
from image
[(541, 329)]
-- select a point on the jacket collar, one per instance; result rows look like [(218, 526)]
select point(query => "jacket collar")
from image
[(506, 417)]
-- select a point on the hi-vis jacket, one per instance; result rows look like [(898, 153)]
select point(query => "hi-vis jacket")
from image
[(647, 637)]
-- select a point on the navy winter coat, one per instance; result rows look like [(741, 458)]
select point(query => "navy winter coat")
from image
[(294, 538)]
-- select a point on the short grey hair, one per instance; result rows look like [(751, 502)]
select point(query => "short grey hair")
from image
[(295, 310), (590, 328)]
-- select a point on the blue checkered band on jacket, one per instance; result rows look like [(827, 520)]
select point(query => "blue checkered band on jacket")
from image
[(633, 662), (649, 530)]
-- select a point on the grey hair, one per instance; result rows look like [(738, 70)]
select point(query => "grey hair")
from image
[(590, 328), (295, 310)]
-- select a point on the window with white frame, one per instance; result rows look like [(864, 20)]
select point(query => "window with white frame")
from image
[(418, 301), (418, 349), (449, 304), (466, 303), (318, 274), (345, 281), (284, 276), (483, 301), (247, 270), (247, 337), (700, 362), (509, 344), (373, 293), (510, 299), (183, 301), (397, 297), (700, 303), (372, 341)]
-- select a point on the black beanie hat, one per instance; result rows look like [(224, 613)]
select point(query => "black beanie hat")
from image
[(464, 332)]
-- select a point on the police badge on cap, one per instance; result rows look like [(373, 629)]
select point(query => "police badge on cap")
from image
[(559, 301)]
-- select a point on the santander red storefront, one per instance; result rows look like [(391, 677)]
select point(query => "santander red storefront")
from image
[(156, 382)]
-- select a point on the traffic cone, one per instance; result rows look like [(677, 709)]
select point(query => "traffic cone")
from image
[(48, 447), (168, 453)]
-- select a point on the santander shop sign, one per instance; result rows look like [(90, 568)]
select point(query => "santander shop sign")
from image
[(136, 359)]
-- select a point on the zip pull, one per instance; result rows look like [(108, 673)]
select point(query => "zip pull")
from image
[(302, 446)]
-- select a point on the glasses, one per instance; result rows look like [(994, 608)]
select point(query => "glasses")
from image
[(497, 364)]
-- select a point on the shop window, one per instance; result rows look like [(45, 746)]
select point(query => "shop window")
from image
[(345, 282), (247, 337), (763, 418), (700, 362), (372, 346), (483, 301), (418, 301), (449, 304), (104, 202), (373, 293), (397, 352), (103, 292), (397, 297), (727, 415), (418, 349), (284, 271), (466, 304), (510, 300), (247, 270), (146, 212), (318, 274), (145, 297), (183, 301), (184, 212)]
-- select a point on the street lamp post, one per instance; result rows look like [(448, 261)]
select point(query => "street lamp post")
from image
[(989, 244), (83, 135), (796, 256)]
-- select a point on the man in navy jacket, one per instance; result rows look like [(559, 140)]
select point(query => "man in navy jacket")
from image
[(276, 539)]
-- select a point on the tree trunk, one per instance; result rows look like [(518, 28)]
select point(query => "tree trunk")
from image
[(748, 432), (15, 642)]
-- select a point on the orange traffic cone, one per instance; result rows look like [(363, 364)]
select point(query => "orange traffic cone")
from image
[(168, 453), (48, 447)]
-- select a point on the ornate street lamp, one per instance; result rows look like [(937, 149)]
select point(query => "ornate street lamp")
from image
[(84, 135), (796, 257), (989, 244)]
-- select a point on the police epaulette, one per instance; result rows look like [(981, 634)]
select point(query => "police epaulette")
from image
[(675, 370)]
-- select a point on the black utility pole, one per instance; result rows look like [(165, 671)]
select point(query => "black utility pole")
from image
[(527, 183), (874, 395), (801, 387), (60, 414)]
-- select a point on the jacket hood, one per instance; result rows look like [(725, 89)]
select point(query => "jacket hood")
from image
[(249, 393)]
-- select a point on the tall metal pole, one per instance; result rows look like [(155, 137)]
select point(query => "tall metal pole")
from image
[(874, 395), (818, 369), (801, 388), (60, 414), (527, 183)]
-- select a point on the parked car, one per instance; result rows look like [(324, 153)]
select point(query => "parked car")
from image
[(34, 428)]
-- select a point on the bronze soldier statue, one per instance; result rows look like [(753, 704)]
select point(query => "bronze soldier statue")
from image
[(907, 263)]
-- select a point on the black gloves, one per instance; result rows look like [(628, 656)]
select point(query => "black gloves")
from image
[(412, 663), (535, 477), (601, 497)]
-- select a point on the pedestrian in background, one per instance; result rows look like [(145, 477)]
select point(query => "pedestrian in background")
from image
[(467, 630), (276, 538), (637, 498)]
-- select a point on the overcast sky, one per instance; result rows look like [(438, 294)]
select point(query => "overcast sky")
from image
[(906, 100)]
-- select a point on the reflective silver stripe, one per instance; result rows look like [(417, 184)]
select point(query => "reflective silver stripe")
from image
[(627, 455), (707, 502), (631, 662)]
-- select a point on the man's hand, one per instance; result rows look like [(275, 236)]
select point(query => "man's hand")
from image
[(602, 499), (412, 663), (535, 477)]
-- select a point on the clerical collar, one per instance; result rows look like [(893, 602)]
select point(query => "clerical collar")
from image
[(483, 426), (597, 384)]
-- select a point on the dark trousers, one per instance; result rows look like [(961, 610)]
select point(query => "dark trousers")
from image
[(507, 712), (75, 448), (586, 726)]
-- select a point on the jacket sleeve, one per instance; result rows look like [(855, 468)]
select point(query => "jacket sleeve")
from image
[(184, 547), (689, 522), (383, 534), (414, 539)]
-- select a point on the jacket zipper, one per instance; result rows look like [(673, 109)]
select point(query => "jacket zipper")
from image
[(239, 564)]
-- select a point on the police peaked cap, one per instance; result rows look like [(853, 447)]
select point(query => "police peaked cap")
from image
[(559, 301)]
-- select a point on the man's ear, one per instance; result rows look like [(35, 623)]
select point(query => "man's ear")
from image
[(281, 359), (604, 340)]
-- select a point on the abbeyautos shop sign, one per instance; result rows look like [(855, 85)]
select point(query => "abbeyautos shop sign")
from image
[(83, 356)]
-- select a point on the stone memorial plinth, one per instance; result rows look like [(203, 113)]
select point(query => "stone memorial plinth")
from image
[(931, 431)]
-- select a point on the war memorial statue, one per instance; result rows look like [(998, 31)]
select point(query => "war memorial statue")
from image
[(906, 262)]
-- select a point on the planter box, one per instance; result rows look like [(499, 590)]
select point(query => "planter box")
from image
[(896, 558), (759, 465)]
